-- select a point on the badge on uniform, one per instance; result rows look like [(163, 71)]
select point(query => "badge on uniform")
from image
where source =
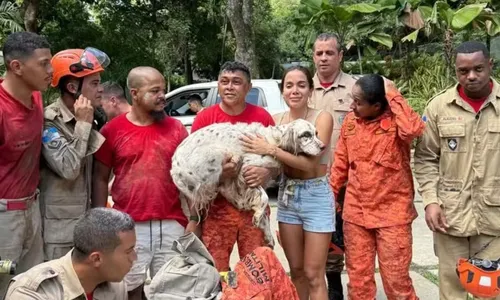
[(49, 135), (452, 144), (341, 119)]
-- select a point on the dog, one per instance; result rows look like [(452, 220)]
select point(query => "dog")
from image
[(197, 164)]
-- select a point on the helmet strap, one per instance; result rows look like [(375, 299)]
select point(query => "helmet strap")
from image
[(79, 90)]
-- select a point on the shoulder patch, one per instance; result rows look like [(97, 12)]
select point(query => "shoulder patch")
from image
[(51, 111), (49, 135)]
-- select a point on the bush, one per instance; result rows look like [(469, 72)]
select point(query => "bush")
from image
[(428, 79)]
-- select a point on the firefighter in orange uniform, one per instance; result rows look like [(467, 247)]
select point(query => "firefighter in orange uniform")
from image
[(373, 157)]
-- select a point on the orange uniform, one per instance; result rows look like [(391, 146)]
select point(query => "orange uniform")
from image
[(373, 156), (260, 276)]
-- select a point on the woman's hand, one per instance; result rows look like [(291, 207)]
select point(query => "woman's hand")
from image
[(256, 145)]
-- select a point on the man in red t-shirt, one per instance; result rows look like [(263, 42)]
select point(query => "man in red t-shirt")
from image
[(225, 224), (27, 59), (139, 147)]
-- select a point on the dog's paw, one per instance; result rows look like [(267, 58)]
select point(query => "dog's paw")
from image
[(256, 220)]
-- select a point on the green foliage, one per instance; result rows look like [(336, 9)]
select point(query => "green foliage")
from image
[(428, 79)]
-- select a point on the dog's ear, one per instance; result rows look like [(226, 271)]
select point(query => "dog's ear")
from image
[(278, 132), (289, 139)]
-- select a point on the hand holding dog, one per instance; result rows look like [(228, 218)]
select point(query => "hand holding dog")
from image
[(229, 168), (256, 145), (256, 176)]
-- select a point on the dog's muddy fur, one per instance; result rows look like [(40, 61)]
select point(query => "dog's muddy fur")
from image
[(197, 164)]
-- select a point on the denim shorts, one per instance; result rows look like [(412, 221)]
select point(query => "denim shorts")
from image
[(309, 203)]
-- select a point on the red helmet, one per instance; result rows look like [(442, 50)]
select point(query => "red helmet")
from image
[(479, 277), (78, 63)]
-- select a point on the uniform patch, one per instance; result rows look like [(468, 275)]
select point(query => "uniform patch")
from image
[(451, 119), (424, 118), (50, 134), (341, 119), (452, 144), (350, 129), (385, 124)]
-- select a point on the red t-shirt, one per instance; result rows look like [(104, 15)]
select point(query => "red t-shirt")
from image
[(475, 103), (20, 145), (214, 114), (141, 159), (326, 84), (90, 296)]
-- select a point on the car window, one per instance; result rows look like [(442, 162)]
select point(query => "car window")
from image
[(252, 97), (178, 105)]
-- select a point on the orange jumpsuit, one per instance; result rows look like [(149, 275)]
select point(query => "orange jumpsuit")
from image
[(374, 158), (260, 276), (235, 225)]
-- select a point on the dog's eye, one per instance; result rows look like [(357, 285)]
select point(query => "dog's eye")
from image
[(306, 134)]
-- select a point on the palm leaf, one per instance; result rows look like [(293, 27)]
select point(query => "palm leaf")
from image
[(10, 18)]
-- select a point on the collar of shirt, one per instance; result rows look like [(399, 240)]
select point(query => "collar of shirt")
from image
[(72, 286), (339, 81), (493, 98), (67, 115)]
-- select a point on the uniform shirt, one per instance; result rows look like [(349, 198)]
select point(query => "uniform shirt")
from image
[(141, 159), (374, 158), (57, 280), (335, 99), (66, 172), (20, 145), (213, 115), (457, 162)]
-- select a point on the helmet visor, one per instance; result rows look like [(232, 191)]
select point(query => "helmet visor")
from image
[(93, 58)]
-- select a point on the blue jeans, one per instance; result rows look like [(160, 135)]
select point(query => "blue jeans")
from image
[(309, 203)]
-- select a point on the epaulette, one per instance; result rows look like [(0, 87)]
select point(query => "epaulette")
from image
[(51, 112), (440, 93), (35, 277)]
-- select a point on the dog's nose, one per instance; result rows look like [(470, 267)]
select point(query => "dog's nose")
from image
[(322, 148)]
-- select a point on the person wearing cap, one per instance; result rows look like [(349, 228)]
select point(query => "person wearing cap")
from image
[(69, 139)]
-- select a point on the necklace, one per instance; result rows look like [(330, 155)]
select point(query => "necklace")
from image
[(305, 117)]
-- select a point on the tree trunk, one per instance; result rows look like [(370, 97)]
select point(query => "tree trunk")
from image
[(29, 12), (360, 60), (240, 14), (188, 69)]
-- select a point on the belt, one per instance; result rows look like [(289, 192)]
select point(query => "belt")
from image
[(18, 204)]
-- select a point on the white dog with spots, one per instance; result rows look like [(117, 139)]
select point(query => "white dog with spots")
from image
[(197, 164)]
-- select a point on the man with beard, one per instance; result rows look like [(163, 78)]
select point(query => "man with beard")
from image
[(69, 139), (139, 148)]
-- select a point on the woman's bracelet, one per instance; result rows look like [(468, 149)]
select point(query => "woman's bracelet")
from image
[(274, 151)]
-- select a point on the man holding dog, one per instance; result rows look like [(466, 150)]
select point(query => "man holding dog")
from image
[(139, 148), (224, 225)]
